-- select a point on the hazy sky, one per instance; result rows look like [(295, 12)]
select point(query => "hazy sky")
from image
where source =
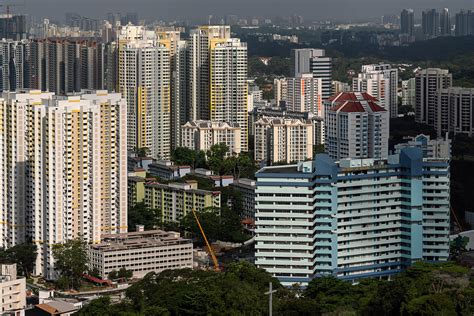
[(171, 9)]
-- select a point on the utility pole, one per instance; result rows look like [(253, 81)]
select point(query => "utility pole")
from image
[(270, 298)]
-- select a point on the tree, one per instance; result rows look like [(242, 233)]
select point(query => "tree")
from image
[(241, 165), (184, 156), (458, 247), (24, 255), (123, 273), (216, 157), (142, 215), (113, 275), (71, 261), (142, 151)]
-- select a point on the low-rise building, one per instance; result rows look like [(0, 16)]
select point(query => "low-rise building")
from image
[(141, 252), (12, 291), (136, 190), (138, 163), (201, 135), (175, 200), (246, 187), (166, 170)]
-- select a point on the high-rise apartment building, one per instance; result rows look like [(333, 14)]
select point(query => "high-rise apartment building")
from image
[(171, 39), (315, 61), (66, 66), (199, 68), (464, 23), (430, 23), (407, 22), (13, 27), (356, 127), (428, 82), (355, 219), (409, 92), (445, 22), (283, 140), (65, 169), (381, 82), (228, 85), (14, 57), (202, 135), (455, 111), (144, 81), (280, 88), (304, 94)]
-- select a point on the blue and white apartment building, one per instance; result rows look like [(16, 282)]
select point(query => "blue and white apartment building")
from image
[(356, 218)]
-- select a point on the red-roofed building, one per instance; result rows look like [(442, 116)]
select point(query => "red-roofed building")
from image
[(356, 127)]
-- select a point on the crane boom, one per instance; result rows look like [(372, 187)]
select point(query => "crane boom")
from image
[(209, 248)]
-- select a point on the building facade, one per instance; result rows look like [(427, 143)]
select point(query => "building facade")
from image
[(228, 85), (381, 82), (430, 23), (428, 82), (12, 291), (439, 148), (65, 170), (315, 61), (173, 200), (353, 219), (144, 81), (141, 252), (283, 140), (455, 111), (304, 94), (246, 188), (356, 127), (202, 135)]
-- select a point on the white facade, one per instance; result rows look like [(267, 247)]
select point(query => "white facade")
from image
[(356, 127), (201, 135), (283, 140), (12, 291), (280, 88), (144, 81), (304, 94), (142, 253), (228, 85), (65, 171), (409, 92), (381, 82)]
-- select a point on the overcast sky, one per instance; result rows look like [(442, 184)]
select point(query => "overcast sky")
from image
[(181, 9)]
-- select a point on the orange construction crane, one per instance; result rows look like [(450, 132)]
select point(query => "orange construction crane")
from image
[(209, 248)]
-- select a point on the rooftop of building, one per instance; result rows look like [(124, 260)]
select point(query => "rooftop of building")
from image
[(283, 121), (211, 124), (322, 163), (355, 102), (188, 186), (57, 307), (140, 239)]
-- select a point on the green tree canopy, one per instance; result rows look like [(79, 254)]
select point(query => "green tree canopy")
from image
[(24, 255), (71, 262)]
